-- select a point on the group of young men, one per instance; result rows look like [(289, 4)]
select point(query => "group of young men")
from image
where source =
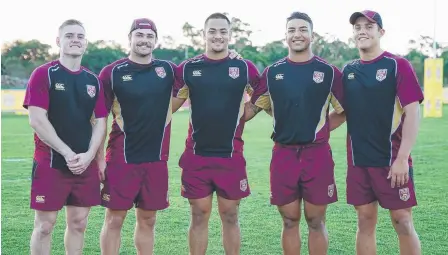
[(377, 95)]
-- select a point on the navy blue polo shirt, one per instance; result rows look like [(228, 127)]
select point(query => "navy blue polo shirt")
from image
[(376, 92), (139, 97)]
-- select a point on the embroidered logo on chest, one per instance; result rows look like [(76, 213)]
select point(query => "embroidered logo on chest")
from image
[(160, 72), (91, 90), (234, 72), (318, 77), (381, 74)]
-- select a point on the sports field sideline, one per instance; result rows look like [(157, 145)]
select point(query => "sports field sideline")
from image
[(260, 222)]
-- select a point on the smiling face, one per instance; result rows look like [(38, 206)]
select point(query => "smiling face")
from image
[(299, 35), (142, 42), (366, 34), (217, 35), (71, 40)]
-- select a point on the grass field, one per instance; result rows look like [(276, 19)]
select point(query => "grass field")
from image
[(260, 222)]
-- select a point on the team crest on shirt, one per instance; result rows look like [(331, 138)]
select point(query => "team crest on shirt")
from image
[(381, 74), (91, 90), (404, 194), (243, 185), (330, 190), (160, 71), (318, 77), (234, 72)]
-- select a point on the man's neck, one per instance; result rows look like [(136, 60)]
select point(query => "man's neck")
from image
[(140, 60), (367, 55), (302, 56), (217, 56), (71, 63)]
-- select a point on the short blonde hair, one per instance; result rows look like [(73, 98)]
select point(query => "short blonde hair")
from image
[(70, 22)]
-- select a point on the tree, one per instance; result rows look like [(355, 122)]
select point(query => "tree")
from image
[(101, 53)]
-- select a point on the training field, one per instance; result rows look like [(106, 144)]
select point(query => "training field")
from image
[(260, 222)]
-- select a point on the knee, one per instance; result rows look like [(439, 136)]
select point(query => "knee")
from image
[(315, 223), (199, 216), (367, 222), (114, 221), (78, 224), (402, 221), (44, 228), (290, 222), (229, 217), (147, 221)]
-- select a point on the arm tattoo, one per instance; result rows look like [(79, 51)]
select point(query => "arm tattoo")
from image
[(255, 108)]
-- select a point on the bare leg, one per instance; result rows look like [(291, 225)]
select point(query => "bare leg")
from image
[(365, 236), (404, 226), (198, 233), (318, 236), (291, 242), (231, 236), (110, 238), (76, 227), (43, 227), (144, 231)]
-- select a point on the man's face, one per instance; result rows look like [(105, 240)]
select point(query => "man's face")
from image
[(142, 41), (217, 35), (72, 41), (366, 33), (298, 35)]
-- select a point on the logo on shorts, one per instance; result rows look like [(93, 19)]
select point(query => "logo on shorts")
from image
[(91, 90), (331, 190), (234, 72), (381, 74), (40, 199), (318, 77), (404, 194), (160, 72), (243, 185)]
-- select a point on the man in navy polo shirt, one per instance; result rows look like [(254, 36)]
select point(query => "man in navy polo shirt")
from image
[(381, 103), (213, 159), (67, 112)]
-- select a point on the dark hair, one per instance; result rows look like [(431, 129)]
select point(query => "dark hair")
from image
[(70, 22), (300, 15), (217, 15)]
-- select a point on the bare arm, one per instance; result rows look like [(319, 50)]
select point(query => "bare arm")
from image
[(45, 131), (411, 125), (96, 145), (177, 103), (100, 152), (250, 110), (336, 119)]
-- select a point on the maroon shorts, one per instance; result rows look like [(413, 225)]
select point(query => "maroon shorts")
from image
[(145, 185), (51, 188), (305, 171), (368, 184), (201, 176)]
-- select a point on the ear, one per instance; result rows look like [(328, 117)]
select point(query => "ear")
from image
[(58, 41), (312, 36), (382, 32)]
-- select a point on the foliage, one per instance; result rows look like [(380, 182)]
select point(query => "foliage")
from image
[(21, 57)]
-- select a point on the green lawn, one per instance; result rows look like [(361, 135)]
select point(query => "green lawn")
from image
[(260, 222)]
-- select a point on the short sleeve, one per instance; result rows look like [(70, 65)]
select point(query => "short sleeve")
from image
[(38, 89), (408, 88), (106, 83), (256, 89), (180, 89), (100, 106), (337, 92)]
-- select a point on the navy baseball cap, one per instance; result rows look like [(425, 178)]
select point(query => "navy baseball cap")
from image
[(372, 16), (143, 24)]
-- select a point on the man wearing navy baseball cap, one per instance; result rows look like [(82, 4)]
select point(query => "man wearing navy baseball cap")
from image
[(381, 102), (138, 91)]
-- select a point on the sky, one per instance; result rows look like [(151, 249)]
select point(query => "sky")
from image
[(402, 19)]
